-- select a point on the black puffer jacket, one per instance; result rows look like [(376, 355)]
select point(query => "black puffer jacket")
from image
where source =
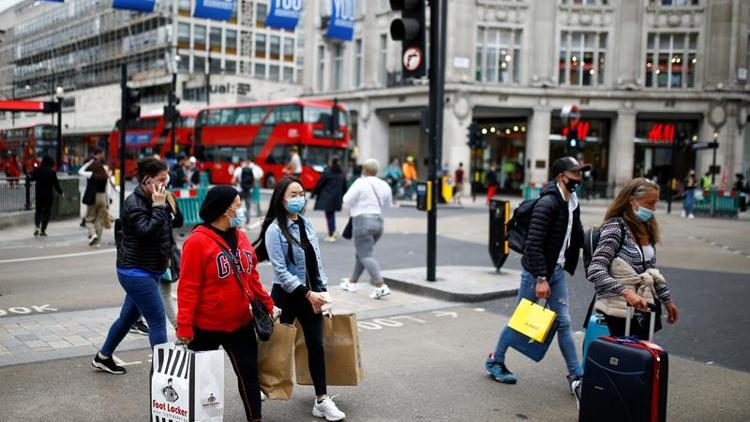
[(546, 235), (329, 191), (146, 234)]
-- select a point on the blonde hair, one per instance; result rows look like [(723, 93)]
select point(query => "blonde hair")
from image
[(371, 167), (637, 188)]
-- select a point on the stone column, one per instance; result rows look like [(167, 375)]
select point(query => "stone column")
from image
[(456, 120), (372, 138), (622, 149), (537, 145)]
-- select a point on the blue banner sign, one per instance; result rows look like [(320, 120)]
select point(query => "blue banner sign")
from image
[(220, 10), (341, 25), (284, 14), (137, 138), (138, 5)]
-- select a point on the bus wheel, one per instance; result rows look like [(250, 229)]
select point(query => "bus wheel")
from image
[(270, 181)]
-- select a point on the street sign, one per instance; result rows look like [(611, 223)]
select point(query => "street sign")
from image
[(413, 58)]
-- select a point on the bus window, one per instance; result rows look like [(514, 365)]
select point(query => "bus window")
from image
[(289, 113), (243, 116), (186, 121), (214, 118), (319, 156), (316, 114), (228, 117), (257, 114), (279, 155), (225, 154)]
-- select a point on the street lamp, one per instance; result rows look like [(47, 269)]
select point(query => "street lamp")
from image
[(59, 91)]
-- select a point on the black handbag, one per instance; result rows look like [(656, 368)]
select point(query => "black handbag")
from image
[(89, 195), (347, 233), (262, 322)]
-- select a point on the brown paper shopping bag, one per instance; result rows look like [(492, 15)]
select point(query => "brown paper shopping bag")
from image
[(341, 343), (275, 364)]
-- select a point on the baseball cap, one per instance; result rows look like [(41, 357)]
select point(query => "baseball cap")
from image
[(568, 164)]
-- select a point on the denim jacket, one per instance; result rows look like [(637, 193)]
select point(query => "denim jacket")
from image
[(285, 273)]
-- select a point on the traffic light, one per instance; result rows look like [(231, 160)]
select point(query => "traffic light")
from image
[(170, 110), (475, 137), (410, 29), (130, 103), (574, 142)]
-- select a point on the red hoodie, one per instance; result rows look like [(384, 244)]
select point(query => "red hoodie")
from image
[(208, 295)]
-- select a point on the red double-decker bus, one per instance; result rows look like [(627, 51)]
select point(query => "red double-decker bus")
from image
[(29, 144), (151, 135), (266, 133)]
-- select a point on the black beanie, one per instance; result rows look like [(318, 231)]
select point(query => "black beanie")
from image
[(218, 200)]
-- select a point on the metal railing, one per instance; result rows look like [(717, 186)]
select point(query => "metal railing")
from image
[(16, 194)]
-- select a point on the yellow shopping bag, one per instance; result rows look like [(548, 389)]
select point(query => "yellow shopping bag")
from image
[(532, 320)]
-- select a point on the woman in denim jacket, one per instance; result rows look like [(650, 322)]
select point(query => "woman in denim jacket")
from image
[(289, 242)]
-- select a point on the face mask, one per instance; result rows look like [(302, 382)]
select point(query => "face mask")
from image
[(572, 184), (295, 205), (168, 179), (238, 219), (643, 214)]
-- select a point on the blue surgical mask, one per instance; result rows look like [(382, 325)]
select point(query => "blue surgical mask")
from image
[(295, 205), (644, 214), (238, 219)]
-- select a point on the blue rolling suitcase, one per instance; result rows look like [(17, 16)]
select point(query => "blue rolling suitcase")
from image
[(597, 327), (625, 379)]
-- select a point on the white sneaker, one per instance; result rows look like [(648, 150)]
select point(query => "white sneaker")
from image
[(691, 216), (380, 292), (263, 396), (327, 409), (349, 287), (93, 240), (683, 214)]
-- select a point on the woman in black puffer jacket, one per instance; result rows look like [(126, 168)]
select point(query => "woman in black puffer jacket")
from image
[(144, 240)]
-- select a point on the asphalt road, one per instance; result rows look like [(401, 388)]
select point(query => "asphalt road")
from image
[(430, 367), (712, 304)]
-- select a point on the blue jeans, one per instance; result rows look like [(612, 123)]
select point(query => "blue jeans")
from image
[(142, 297), (558, 302), (331, 222), (689, 202)]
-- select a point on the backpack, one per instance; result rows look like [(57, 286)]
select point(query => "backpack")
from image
[(591, 241), (247, 179), (518, 226)]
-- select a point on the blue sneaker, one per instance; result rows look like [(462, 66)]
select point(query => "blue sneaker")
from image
[(498, 371)]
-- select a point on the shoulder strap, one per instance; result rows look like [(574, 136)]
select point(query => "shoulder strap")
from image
[(228, 255), (377, 197)]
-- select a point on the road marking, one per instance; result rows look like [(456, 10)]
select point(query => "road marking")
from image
[(67, 255), (25, 310), (121, 362), (445, 314), (479, 309)]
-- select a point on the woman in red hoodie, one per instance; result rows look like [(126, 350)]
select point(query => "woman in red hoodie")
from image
[(213, 310)]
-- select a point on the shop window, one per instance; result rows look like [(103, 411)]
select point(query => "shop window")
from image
[(183, 7), (582, 58), (498, 55), (671, 60)]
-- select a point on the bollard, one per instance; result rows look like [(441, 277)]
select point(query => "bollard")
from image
[(27, 205)]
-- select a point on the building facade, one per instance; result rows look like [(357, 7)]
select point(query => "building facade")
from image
[(80, 46), (643, 72)]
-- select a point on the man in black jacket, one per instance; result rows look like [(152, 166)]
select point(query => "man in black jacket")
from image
[(554, 240)]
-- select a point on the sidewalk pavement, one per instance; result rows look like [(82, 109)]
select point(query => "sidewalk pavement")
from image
[(456, 283), (43, 337)]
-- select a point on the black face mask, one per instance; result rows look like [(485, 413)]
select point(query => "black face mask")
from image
[(572, 184)]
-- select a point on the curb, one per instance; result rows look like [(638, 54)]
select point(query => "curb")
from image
[(436, 293)]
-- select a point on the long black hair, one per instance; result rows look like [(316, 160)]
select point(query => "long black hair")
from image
[(276, 211)]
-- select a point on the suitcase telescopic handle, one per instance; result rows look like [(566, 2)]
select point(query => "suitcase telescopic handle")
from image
[(651, 322)]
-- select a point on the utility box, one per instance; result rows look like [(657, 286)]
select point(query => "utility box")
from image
[(423, 196), (69, 205), (499, 217)]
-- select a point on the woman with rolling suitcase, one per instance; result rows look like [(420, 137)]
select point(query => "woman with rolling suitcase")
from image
[(623, 266)]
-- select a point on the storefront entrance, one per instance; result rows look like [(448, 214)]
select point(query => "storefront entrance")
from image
[(594, 151)]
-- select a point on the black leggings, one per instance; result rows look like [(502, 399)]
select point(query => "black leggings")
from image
[(242, 349), (42, 212), (297, 307)]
